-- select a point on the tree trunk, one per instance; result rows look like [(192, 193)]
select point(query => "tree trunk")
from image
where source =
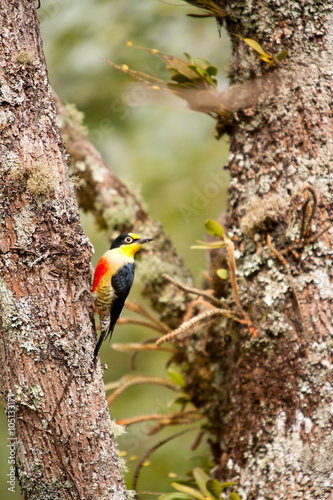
[(61, 436), (269, 399)]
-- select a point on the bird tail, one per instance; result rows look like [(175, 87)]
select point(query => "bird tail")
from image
[(105, 333), (98, 345)]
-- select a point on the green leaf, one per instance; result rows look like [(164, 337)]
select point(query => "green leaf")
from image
[(214, 487), (222, 273), (212, 70), (227, 485), (200, 62), (205, 76), (176, 495), (201, 479), (188, 490), (204, 69), (282, 55), (176, 377), (180, 78), (214, 228), (234, 496)]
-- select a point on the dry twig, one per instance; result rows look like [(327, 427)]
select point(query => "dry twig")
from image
[(174, 418), (180, 332), (230, 252), (139, 309), (184, 327), (195, 291), (126, 382)]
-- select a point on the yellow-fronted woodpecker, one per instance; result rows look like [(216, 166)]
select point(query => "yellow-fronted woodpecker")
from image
[(113, 280)]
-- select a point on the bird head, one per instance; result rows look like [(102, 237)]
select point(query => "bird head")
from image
[(130, 243)]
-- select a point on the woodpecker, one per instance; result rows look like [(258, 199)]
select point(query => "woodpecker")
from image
[(113, 280)]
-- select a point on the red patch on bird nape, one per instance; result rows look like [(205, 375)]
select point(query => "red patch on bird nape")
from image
[(101, 268)]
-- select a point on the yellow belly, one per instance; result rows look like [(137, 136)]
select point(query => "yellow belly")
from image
[(103, 298)]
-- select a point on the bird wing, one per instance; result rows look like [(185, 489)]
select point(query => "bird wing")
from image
[(121, 282)]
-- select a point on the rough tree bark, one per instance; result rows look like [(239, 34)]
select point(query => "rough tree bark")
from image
[(62, 430), (269, 399)]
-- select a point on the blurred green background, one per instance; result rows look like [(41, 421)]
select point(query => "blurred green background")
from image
[(159, 147)]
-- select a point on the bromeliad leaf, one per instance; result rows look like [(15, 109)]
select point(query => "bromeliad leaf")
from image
[(261, 53), (209, 6), (205, 75), (258, 50)]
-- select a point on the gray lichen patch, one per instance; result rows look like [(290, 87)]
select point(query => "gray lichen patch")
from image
[(8, 307), (66, 209), (324, 285), (23, 324), (24, 225), (35, 485), (116, 430), (318, 465), (150, 270), (274, 289), (97, 169), (29, 396), (122, 213), (7, 117), (72, 116), (10, 95)]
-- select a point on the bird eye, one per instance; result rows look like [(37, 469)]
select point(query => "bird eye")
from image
[(128, 239)]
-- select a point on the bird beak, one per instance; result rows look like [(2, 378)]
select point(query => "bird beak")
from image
[(141, 241)]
